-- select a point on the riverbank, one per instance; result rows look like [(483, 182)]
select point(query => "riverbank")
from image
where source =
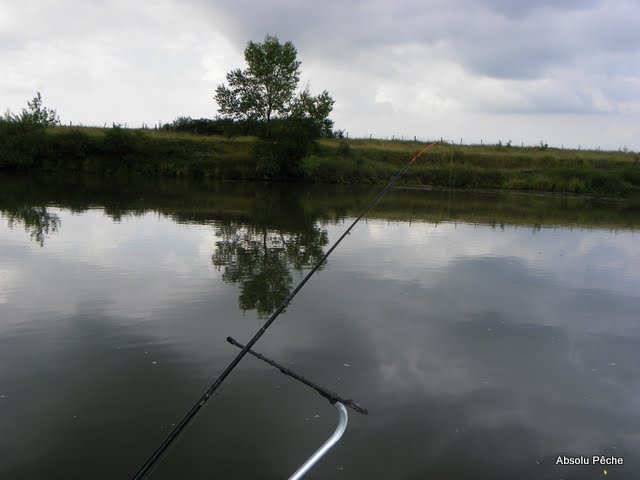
[(117, 151)]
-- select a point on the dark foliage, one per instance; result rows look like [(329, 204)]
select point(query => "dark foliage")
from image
[(21, 144)]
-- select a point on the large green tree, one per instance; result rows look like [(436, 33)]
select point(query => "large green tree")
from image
[(266, 89)]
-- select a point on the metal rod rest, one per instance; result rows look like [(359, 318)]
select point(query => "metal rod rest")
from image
[(343, 418)]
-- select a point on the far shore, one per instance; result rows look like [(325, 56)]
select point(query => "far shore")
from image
[(343, 161)]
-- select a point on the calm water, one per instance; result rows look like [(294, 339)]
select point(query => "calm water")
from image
[(487, 335)]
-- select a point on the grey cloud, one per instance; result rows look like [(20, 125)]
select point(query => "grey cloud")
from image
[(546, 103), (495, 38), (515, 8)]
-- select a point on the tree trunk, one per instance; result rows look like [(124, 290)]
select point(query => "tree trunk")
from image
[(267, 125)]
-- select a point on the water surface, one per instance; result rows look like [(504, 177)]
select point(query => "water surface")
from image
[(487, 334)]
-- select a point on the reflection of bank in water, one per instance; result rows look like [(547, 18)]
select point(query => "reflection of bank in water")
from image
[(260, 260), (37, 220)]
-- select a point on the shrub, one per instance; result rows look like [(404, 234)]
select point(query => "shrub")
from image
[(344, 149), (576, 185), (21, 144), (542, 182), (75, 144), (37, 114), (310, 166), (120, 141)]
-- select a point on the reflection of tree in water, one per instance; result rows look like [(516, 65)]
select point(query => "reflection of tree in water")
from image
[(36, 220), (259, 259)]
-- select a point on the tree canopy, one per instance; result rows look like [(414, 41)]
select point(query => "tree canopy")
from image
[(266, 89)]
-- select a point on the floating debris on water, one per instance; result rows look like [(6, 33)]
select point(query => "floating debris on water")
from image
[(316, 416), (347, 365), (155, 363)]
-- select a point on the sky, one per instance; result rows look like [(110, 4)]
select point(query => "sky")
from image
[(563, 72)]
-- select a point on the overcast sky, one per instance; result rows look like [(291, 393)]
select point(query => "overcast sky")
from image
[(565, 72)]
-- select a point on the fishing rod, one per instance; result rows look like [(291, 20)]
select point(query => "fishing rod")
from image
[(179, 428)]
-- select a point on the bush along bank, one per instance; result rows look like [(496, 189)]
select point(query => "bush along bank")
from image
[(295, 155)]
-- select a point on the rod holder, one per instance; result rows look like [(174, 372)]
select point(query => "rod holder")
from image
[(343, 418)]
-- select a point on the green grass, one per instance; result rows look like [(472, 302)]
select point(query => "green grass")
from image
[(485, 167), (112, 151)]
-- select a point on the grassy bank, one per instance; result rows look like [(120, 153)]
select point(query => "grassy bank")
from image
[(117, 151), (485, 167)]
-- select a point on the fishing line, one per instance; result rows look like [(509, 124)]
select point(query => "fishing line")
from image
[(179, 428)]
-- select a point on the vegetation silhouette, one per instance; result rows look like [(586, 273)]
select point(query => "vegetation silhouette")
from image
[(260, 260), (37, 220), (267, 233)]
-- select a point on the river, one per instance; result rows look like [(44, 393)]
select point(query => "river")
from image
[(487, 334)]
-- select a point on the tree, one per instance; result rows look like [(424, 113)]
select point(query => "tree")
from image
[(265, 90), (316, 109), (37, 114)]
